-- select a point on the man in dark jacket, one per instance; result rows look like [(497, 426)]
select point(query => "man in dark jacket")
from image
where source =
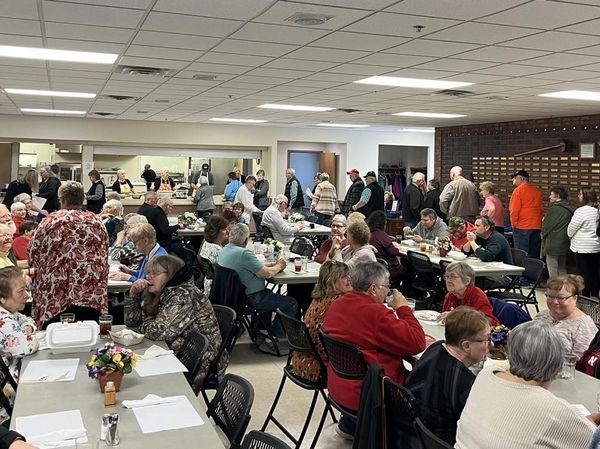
[(412, 201), (49, 189), (371, 198), (293, 191), (432, 198), (354, 192), (150, 202), (555, 240)]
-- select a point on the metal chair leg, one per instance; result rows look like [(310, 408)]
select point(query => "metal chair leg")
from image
[(275, 401)]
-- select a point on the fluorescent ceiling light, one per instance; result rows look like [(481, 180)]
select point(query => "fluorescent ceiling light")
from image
[(417, 130), (429, 114), (48, 93), (9, 51), (416, 83), (295, 107), (342, 125), (236, 120), (574, 95), (52, 111)]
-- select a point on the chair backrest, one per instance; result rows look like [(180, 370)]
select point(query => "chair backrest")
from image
[(401, 408), (589, 306), (299, 337), (346, 360), (227, 289), (420, 262), (296, 244), (266, 232), (262, 440), (206, 267), (312, 219), (6, 378), (518, 256), (534, 268), (444, 264), (508, 313), (191, 353), (427, 438), (230, 407), (382, 261), (227, 319)]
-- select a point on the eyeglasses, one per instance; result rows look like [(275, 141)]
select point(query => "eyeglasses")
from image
[(154, 273), (560, 299), (488, 340), (337, 226)]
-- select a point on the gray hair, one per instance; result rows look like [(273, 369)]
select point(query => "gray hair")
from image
[(16, 206), (324, 176), (135, 219), (70, 193), (112, 196), (427, 212), (463, 270), (239, 234), (203, 180), (22, 197), (279, 199), (365, 274), (121, 172), (418, 176), (114, 205), (291, 170), (456, 170), (535, 351), (164, 202)]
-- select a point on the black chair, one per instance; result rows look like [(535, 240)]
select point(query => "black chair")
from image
[(6, 378), (228, 327), (518, 256), (230, 408), (262, 440), (589, 306), (266, 232), (534, 269), (347, 362), (312, 219), (206, 268), (190, 354), (444, 264), (427, 281), (400, 410), (302, 246), (258, 235), (301, 343), (427, 438)]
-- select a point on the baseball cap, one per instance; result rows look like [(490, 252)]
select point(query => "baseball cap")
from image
[(370, 174), (454, 223), (204, 166), (352, 172), (522, 173)]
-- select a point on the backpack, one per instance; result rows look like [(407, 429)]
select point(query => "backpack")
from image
[(588, 363)]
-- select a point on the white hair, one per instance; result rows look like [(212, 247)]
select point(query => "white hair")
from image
[(456, 170), (203, 180), (291, 170), (121, 172), (16, 206), (115, 206), (239, 234), (418, 176), (279, 199), (164, 202), (22, 197)]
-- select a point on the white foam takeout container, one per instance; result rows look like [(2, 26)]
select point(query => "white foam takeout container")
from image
[(65, 338)]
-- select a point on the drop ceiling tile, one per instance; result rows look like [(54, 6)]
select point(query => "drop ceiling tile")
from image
[(323, 54), (135, 4), (20, 27), (333, 77), (358, 41), (267, 81), (87, 33), (263, 32), (553, 41), (91, 15), (554, 15), (563, 60), (254, 48), (359, 69), (400, 24), (513, 70), (201, 67), (234, 59), (591, 67), (201, 26), (501, 54), (299, 64), (281, 11), (421, 73), (280, 73), (589, 27), (173, 40), (147, 62), (21, 9), (312, 83), (475, 78), (226, 9), (455, 65), (567, 75), (481, 33), (393, 60), (451, 9), (99, 68), (428, 47), (21, 41), (162, 53), (68, 44), (521, 81)]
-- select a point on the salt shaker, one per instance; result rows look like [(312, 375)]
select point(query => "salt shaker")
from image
[(112, 429)]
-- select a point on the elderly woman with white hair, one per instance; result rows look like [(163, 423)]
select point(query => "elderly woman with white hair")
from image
[(203, 197), (513, 409), (112, 217), (18, 211), (273, 219), (25, 198), (69, 251), (6, 218), (164, 182), (123, 248), (122, 185)]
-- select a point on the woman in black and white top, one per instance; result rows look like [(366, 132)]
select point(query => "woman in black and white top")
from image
[(584, 241), (122, 184)]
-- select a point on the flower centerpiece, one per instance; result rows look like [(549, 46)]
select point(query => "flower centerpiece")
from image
[(272, 248), (296, 217), (444, 246), (110, 363), (188, 218), (499, 336)]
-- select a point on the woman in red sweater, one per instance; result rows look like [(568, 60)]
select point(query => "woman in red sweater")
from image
[(460, 280)]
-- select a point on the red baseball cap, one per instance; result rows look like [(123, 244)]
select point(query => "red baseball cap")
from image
[(352, 172)]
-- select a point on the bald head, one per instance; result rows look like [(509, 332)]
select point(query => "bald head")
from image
[(455, 172)]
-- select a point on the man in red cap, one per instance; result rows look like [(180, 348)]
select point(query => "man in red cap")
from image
[(354, 192)]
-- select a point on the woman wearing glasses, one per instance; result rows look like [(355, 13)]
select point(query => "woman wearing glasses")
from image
[(576, 329), (460, 283)]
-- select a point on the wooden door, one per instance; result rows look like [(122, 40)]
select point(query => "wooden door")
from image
[(327, 164)]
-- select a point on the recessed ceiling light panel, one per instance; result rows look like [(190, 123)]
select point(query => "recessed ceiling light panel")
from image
[(574, 95), (394, 81), (49, 93), (417, 130), (429, 114), (296, 107), (236, 120), (342, 125), (52, 111), (9, 51)]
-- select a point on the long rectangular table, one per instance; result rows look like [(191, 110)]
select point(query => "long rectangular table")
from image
[(84, 394)]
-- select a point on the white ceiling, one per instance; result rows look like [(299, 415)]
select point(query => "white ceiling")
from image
[(513, 50)]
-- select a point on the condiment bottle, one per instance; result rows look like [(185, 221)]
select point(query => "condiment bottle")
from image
[(110, 394)]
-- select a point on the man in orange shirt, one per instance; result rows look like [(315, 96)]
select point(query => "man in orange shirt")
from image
[(526, 211)]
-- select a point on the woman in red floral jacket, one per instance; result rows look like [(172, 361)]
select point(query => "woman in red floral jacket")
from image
[(69, 252)]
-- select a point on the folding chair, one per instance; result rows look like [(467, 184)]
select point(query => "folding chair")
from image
[(400, 411), (262, 440), (191, 353), (427, 438), (6, 378), (428, 282)]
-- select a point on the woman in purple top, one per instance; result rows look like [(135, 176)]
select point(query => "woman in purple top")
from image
[(386, 249)]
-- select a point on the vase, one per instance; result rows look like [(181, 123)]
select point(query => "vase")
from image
[(114, 376), (443, 252)]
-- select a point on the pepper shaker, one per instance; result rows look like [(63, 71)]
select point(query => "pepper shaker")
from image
[(112, 430)]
